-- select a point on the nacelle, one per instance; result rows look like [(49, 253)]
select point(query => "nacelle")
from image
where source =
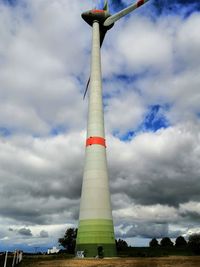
[(96, 14)]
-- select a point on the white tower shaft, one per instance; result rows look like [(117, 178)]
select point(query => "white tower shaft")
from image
[(95, 230)]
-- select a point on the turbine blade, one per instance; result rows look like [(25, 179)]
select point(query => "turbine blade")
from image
[(86, 89), (106, 8), (102, 37), (112, 19)]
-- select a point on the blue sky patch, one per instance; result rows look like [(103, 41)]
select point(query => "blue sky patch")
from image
[(4, 132), (127, 136), (162, 6), (153, 121), (131, 78), (57, 130), (9, 2)]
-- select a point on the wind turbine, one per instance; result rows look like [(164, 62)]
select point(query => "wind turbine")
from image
[(95, 231)]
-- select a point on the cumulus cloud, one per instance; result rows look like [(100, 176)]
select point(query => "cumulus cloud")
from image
[(144, 230), (25, 232), (33, 158), (171, 161), (147, 61), (44, 234), (37, 77)]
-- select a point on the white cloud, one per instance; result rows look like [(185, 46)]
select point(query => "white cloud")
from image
[(188, 42), (151, 213), (39, 69), (44, 65), (124, 113), (190, 207)]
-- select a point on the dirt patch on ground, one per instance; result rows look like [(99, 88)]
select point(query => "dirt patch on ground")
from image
[(124, 262)]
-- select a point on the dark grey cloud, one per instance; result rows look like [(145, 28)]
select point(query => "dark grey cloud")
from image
[(146, 230), (165, 191), (44, 234), (25, 232), (153, 177), (191, 216), (40, 213), (41, 182), (168, 173)]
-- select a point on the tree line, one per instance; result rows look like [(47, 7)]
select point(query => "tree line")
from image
[(193, 243)]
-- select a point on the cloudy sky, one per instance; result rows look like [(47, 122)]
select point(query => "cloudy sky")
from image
[(151, 81)]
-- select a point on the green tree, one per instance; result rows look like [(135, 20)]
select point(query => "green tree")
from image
[(69, 240), (180, 242), (166, 242), (121, 245), (154, 243), (194, 243)]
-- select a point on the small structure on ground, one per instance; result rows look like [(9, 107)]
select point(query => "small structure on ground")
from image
[(53, 250)]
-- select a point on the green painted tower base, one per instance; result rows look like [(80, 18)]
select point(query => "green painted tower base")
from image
[(96, 238)]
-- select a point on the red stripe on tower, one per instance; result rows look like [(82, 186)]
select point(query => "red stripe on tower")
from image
[(140, 3), (95, 140)]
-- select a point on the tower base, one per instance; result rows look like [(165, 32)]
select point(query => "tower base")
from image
[(96, 238), (100, 250)]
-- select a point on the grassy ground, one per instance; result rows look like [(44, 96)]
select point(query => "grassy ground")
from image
[(155, 252), (9, 261), (172, 261)]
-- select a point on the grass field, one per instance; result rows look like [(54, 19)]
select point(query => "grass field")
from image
[(9, 261), (172, 261)]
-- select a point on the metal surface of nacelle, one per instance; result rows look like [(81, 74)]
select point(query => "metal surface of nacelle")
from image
[(96, 15)]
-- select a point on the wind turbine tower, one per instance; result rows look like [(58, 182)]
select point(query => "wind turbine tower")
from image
[(95, 231)]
